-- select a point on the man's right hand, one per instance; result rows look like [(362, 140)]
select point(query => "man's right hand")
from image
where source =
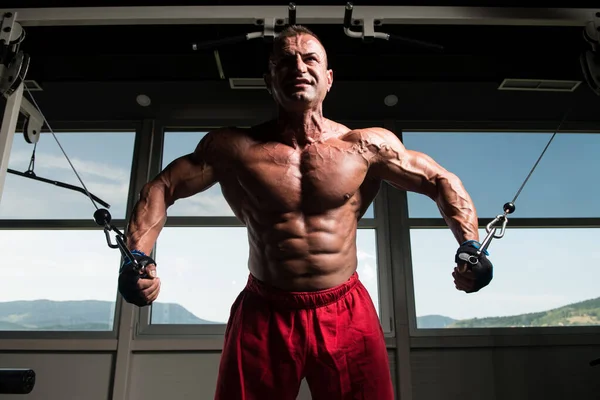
[(139, 287)]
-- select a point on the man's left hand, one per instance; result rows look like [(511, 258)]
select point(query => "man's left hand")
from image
[(472, 277)]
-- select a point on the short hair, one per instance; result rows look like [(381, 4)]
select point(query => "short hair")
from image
[(293, 31)]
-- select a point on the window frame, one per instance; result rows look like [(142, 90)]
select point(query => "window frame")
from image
[(484, 337), (211, 332), (133, 127)]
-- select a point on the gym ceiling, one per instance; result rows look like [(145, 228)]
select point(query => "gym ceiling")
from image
[(95, 72)]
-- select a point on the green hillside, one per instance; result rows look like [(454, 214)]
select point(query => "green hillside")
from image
[(434, 321), (90, 315), (582, 313), (87, 315)]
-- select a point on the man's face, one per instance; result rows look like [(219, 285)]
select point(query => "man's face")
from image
[(298, 76)]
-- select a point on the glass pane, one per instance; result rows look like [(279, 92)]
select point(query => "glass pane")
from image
[(203, 270), (45, 288), (493, 166), (541, 278), (102, 160), (370, 213), (210, 202), (368, 271)]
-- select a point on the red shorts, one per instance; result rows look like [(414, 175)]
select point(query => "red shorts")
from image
[(331, 337)]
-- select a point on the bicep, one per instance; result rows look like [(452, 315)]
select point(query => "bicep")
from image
[(187, 176), (406, 169)]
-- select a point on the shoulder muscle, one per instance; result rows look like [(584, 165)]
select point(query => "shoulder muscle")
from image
[(217, 144), (377, 144)]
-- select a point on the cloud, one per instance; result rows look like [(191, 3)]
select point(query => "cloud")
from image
[(367, 273), (112, 193), (364, 255), (57, 265), (181, 265), (527, 301), (46, 162), (29, 199), (210, 203)]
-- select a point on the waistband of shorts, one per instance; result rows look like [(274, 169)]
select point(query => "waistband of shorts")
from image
[(301, 300)]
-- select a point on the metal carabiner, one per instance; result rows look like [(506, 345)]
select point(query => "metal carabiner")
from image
[(492, 231), (492, 227), (103, 218)]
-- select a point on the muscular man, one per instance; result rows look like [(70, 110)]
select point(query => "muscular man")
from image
[(300, 184)]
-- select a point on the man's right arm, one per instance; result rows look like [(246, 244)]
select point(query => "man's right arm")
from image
[(184, 177)]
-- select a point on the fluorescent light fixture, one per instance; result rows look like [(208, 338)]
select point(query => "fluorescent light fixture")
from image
[(539, 85), (247, 83)]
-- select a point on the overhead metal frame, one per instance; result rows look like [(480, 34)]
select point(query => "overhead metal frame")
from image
[(389, 15), (13, 88), (17, 104), (7, 129)]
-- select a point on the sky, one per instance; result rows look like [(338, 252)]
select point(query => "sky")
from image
[(204, 269)]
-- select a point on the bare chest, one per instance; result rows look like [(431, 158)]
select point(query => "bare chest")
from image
[(313, 179)]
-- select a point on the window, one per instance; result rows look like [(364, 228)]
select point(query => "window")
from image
[(57, 274), (542, 277), (493, 165), (102, 159), (542, 274), (57, 280), (208, 203), (204, 268)]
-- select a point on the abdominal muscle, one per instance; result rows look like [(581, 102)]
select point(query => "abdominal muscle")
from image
[(295, 252)]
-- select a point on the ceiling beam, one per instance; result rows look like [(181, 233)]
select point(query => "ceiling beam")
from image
[(419, 15)]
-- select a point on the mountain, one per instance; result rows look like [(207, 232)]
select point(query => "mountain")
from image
[(583, 313), (170, 313), (434, 321), (92, 315), (88, 315)]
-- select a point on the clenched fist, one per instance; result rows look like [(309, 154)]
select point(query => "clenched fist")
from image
[(473, 271), (139, 287)]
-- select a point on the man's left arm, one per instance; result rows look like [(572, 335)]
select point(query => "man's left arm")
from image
[(417, 172)]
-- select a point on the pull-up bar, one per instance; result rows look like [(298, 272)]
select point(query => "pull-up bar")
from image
[(355, 28), (388, 15)]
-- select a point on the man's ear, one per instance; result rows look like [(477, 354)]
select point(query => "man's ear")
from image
[(267, 79), (329, 79)]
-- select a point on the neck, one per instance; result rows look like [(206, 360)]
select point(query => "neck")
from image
[(300, 129)]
